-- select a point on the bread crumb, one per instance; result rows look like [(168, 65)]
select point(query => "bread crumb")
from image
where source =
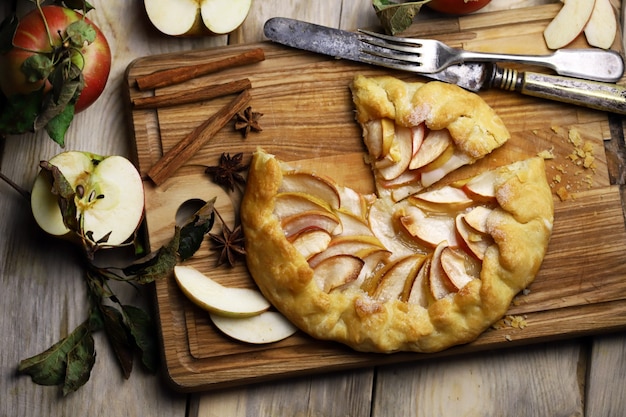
[(546, 154), (562, 193)]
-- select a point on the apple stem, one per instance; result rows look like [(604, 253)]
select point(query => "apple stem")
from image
[(16, 187), (45, 23)]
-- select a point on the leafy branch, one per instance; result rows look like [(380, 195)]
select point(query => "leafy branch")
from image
[(129, 329)]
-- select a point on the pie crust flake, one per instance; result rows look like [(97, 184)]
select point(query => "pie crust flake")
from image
[(383, 273)]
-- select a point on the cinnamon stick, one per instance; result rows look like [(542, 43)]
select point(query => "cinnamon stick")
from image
[(191, 96), (188, 146), (163, 78)]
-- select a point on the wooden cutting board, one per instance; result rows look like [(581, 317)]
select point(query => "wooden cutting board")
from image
[(308, 119)]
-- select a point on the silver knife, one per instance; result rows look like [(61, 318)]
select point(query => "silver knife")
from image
[(471, 76)]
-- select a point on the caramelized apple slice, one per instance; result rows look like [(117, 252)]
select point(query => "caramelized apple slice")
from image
[(458, 267), (434, 144), (315, 185), (482, 186), (477, 218), (438, 282), (399, 156), (312, 242), (429, 230), (393, 281), (418, 292), (476, 242), (289, 203), (335, 271), (310, 220)]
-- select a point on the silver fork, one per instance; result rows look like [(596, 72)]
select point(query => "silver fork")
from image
[(429, 56)]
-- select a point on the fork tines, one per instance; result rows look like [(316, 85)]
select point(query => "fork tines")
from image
[(391, 51)]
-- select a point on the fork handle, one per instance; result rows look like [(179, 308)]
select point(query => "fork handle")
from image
[(594, 64), (595, 95)]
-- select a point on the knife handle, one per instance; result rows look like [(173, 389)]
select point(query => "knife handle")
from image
[(592, 94)]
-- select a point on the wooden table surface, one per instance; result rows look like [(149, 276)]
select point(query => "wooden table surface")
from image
[(43, 297)]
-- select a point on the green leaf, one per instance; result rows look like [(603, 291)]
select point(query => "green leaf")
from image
[(80, 361), (7, 31), (50, 367), (37, 67), (157, 265), (80, 32), (119, 338), (192, 234), (57, 126), (143, 330), (396, 17)]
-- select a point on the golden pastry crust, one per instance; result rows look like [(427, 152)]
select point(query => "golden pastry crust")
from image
[(521, 228), (518, 229), (475, 127)]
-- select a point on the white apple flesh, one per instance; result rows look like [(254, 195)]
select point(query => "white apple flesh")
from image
[(109, 197), (568, 23), (267, 327), (197, 17), (216, 298), (601, 28)]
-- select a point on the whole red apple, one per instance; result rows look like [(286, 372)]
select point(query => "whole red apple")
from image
[(32, 37), (457, 6)]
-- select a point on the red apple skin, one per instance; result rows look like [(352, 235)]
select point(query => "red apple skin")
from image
[(457, 7), (31, 36)]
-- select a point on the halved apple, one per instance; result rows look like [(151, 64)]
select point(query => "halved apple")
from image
[(336, 271), (315, 185), (458, 267), (311, 242), (197, 17), (267, 327), (435, 143), (568, 23), (216, 298), (109, 197)]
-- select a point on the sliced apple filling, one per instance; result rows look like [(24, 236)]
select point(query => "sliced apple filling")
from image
[(443, 235)]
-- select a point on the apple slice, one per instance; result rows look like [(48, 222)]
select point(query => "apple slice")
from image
[(455, 161), (601, 28), (290, 203), (568, 23), (438, 282), (396, 276), (336, 271), (197, 17), (449, 197), (311, 242), (373, 138), (353, 202), (109, 197), (388, 133), (381, 223), (429, 230), (310, 220), (435, 144), (477, 218), (418, 292), (315, 185), (418, 133), (482, 186), (214, 297), (476, 242), (400, 155), (351, 225), (458, 267), (267, 327), (348, 245)]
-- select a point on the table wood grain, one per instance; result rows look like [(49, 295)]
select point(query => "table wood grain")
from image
[(43, 296)]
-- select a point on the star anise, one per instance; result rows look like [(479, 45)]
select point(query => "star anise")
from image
[(247, 120), (230, 243), (227, 172)]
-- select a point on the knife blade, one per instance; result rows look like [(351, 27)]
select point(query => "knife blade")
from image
[(470, 76)]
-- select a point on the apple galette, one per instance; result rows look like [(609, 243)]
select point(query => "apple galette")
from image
[(420, 266)]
